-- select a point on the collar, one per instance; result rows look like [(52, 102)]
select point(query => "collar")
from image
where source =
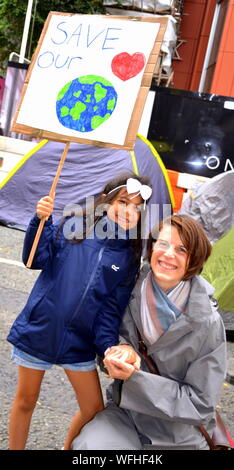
[(197, 310), (106, 228), (107, 231)]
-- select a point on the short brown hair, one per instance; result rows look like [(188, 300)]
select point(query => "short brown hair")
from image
[(193, 237)]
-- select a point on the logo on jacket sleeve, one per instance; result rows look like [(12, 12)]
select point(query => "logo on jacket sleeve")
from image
[(115, 268)]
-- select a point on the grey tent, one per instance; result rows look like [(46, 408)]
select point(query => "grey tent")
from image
[(86, 170), (212, 205)]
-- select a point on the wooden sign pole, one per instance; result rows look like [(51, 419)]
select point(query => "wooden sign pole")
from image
[(45, 62), (52, 191)]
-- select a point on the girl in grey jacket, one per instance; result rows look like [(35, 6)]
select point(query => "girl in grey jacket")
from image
[(176, 315)]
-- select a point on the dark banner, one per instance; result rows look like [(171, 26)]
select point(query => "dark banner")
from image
[(193, 132), (112, 459)]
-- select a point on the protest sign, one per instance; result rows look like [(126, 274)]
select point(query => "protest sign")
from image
[(89, 78)]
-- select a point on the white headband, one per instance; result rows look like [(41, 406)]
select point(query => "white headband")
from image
[(135, 186)]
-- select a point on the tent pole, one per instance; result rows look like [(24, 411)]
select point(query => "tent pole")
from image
[(51, 194), (25, 32)]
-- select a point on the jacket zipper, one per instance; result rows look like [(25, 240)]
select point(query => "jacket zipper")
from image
[(82, 298), (90, 282)]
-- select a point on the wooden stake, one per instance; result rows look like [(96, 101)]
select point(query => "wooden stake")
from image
[(52, 191)]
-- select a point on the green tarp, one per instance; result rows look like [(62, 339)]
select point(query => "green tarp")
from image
[(219, 271)]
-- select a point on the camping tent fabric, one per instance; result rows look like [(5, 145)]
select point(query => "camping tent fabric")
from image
[(85, 172), (213, 205), (219, 271)]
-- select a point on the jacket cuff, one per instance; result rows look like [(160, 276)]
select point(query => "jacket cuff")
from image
[(35, 221), (102, 350)]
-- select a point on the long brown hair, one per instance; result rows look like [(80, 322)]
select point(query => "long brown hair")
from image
[(193, 237), (106, 198)]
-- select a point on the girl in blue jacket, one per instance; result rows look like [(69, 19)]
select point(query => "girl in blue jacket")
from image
[(76, 305)]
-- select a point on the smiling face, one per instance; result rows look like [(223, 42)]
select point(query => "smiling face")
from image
[(169, 258), (125, 209)]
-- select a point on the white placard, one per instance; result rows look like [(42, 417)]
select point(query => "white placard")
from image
[(87, 76), (146, 115), (228, 105)]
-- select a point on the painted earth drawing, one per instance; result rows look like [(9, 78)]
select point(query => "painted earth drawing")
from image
[(85, 103)]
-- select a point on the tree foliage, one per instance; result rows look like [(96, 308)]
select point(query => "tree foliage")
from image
[(12, 17)]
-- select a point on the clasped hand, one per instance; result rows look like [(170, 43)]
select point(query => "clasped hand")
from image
[(45, 207), (121, 361)]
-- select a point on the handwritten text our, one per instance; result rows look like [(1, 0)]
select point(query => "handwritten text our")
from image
[(82, 37)]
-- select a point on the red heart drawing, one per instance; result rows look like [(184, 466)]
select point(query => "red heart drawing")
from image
[(126, 66)]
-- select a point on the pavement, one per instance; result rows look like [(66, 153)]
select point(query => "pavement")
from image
[(56, 403)]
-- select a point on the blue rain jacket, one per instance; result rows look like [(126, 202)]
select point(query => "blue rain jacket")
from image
[(76, 305)]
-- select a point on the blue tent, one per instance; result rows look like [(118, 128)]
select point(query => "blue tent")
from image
[(85, 172)]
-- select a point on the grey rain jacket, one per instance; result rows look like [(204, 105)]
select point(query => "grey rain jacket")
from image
[(191, 357)]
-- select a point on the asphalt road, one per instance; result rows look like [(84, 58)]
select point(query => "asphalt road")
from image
[(56, 403)]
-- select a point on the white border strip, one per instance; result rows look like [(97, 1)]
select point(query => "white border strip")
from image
[(12, 262)]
